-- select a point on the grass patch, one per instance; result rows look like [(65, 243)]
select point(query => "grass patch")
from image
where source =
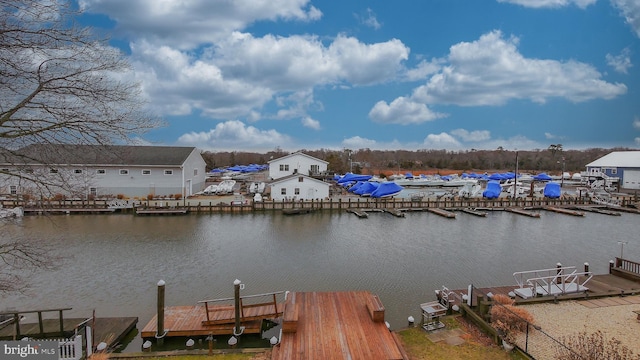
[(419, 346)]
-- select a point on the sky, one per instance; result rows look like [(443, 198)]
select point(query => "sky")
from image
[(260, 75)]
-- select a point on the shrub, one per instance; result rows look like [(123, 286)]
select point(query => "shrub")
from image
[(509, 320), (58, 197), (177, 196), (120, 196), (150, 197), (593, 347)]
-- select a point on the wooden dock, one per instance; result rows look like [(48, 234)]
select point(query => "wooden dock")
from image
[(564, 211), (359, 213), (162, 211), (394, 212), (336, 325), (108, 329), (442, 212), (474, 212), (66, 211), (523, 212), (297, 211), (598, 210)]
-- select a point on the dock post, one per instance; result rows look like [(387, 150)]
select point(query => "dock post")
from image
[(237, 330), (558, 272), (586, 267), (160, 331)]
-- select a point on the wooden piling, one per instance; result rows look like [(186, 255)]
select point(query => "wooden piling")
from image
[(160, 331)]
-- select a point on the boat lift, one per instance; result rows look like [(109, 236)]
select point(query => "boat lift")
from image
[(555, 281), (433, 310)]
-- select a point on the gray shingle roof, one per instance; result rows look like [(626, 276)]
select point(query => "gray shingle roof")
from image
[(621, 159), (100, 155)]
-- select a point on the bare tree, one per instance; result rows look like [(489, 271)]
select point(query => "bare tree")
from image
[(59, 84)]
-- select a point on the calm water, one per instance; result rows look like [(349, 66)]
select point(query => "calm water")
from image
[(115, 261)]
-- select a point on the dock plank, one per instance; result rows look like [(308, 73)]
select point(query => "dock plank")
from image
[(336, 325)]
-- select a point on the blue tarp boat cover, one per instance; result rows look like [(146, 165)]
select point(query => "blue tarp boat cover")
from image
[(552, 190), (493, 190), (367, 188), (542, 177), (353, 177), (356, 186), (386, 189)]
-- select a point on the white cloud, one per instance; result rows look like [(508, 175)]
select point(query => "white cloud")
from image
[(243, 73), (637, 141), (550, 136), (357, 142), (620, 63), (636, 123), (423, 70), (473, 136), (227, 135), (369, 19), (441, 141), (402, 111), (310, 123), (630, 10), (491, 71), (550, 3), (186, 24)]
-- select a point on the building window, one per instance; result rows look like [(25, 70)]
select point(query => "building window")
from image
[(296, 191), (124, 172), (284, 167), (146, 172), (77, 171), (6, 170), (283, 191), (13, 190), (93, 191), (614, 171), (195, 172), (168, 172), (315, 169), (300, 179), (53, 171), (101, 171)]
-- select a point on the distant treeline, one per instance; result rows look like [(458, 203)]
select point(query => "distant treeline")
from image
[(551, 160)]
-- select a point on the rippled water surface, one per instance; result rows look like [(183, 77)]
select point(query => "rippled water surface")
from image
[(113, 262)]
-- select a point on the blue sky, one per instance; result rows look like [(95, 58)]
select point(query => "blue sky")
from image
[(254, 75)]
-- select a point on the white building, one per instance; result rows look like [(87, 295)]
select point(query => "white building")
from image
[(624, 166), (296, 163), (86, 171), (299, 187)]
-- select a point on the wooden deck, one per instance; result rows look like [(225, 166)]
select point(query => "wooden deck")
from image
[(335, 325), (191, 320), (599, 286), (111, 329)]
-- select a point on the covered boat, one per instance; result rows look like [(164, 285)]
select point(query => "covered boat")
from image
[(386, 189), (552, 190), (542, 177), (493, 190), (351, 177), (367, 188)]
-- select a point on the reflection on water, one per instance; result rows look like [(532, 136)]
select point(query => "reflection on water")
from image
[(114, 261)]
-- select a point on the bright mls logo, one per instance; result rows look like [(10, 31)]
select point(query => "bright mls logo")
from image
[(38, 350)]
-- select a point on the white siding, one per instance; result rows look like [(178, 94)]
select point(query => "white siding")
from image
[(308, 189), (297, 163)]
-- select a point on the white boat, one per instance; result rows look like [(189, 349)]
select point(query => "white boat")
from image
[(225, 186), (470, 190), (211, 189), (15, 212)]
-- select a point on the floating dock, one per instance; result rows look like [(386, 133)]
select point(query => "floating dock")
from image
[(297, 211), (523, 212), (474, 212), (442, 212), (564, 211), (162, 211)]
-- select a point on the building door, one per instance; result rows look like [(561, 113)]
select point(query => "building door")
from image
[(188, 189)]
